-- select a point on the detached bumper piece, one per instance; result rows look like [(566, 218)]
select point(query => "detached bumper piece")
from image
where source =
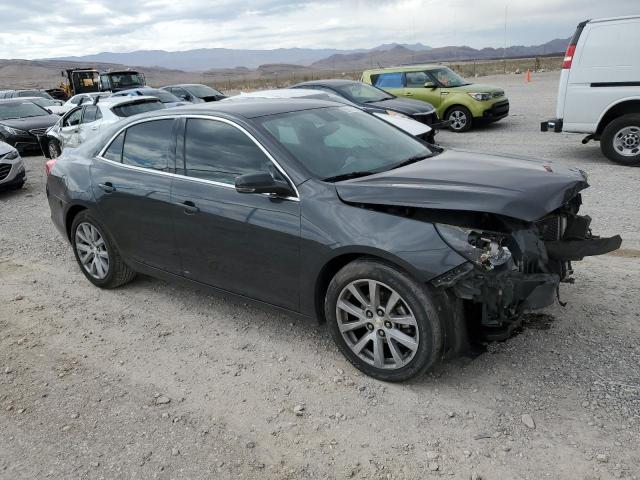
[(572, 250), (555, 125)]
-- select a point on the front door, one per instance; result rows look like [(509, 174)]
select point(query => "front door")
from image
[(70, 128), (132, 187), (243, 243), (421, 86)]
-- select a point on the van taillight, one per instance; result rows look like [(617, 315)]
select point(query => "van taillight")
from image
[(48, 166), (568, 57)]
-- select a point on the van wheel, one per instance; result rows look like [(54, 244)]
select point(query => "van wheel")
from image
[(384, 322), (460, 119), (620, 141)]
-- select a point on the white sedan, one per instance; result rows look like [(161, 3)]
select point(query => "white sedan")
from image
[(83, 122)]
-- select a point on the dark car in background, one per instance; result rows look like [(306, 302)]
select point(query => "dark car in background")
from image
[(22, 122), (373, 99), (168, 99), (195, 92), (322, 209)]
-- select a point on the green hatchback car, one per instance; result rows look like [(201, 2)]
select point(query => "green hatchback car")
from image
[(463, 104)]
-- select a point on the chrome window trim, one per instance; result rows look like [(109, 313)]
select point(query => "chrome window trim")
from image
[(195, 179)]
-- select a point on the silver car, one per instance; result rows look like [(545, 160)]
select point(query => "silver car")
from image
[(86, 121), (12, 174)]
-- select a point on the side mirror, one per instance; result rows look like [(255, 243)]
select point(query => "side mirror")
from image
[(262, 182), (429, 85)]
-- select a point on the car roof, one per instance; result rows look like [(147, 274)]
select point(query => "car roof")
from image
[(613, 19), (16, 99), (114, 101), (405, 68), (250, 108), (188, 85), (332, 82)]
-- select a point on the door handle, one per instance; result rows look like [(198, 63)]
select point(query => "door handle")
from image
[(408, 94), (94, 128), (189, 207), (107, 187)]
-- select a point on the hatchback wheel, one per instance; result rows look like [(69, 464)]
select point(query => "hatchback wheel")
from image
[(620, 141), (383, 321), (460, 119), (98, 258)]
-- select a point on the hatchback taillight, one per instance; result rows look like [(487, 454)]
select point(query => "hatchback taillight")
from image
[(568, 57), (48, 166)]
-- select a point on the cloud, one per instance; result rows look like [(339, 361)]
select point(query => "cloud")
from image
[(32, 29)]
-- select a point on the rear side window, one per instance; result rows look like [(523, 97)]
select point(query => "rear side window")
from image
[(390, 80), (91, 114), (130, 109), (148, 145), (114, 152), (220, 152)]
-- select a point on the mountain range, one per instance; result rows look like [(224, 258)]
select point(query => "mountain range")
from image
[(205, 59)]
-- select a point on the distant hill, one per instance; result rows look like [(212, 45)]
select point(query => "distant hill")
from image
[(401, 55), (207, 58)]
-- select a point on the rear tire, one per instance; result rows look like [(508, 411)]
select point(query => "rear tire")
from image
[(460, 119), (620, 140), (96, 253), (393, 334)]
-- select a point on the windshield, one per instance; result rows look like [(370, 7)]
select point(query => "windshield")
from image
[(448, 78), (162, 95), (44, 102), (363, 93), (125, 80), (130, 109), (35, 93), (21, 110), (202, 91), (338, 141)]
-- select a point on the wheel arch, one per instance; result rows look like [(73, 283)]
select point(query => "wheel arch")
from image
[(337, 262), (622, 107), (72, 212)]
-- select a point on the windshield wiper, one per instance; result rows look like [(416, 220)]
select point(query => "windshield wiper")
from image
[(347, 176), (411, 160)]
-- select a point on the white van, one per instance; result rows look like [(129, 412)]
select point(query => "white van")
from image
[(599, 91)]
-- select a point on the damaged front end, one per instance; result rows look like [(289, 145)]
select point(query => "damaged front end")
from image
[(516, 265)]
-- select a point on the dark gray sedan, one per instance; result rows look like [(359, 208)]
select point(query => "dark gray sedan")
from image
[(321, 209)]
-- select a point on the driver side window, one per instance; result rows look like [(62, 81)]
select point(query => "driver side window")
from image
[(73, 118), (220, 152)]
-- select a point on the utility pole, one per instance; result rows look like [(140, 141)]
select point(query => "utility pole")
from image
[(504, 49)]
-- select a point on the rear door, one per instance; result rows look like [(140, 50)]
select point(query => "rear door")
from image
[(243, 243), (131, 182)]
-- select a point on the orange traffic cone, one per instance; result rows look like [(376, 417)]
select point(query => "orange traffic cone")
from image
[(527, 76)]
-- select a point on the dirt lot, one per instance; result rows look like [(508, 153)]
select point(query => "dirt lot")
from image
[(155, 380)]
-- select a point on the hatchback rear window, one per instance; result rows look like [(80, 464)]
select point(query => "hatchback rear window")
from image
[(130, 109)]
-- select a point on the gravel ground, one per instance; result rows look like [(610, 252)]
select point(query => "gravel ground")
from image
[(156, 380)]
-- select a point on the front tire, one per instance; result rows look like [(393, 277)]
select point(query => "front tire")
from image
[(460, 119), (383, 321), (620, 140), (96, 253)]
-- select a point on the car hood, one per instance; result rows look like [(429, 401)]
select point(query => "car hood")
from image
[(29, 123), (518, 187), (402, 105), (5, 148), (474, 87)]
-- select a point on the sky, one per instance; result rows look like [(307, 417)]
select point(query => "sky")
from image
[(38, 29)]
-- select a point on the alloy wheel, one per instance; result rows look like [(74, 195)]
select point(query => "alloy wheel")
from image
[(458, 119), (627, 141), (92, 250), (377, 324)]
